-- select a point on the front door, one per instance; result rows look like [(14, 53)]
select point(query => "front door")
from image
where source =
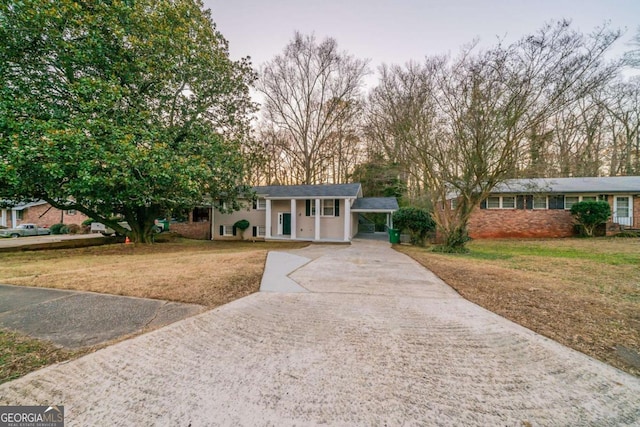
[(623, 210), (284, 223)]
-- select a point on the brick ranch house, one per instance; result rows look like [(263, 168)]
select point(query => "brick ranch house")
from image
[(540, 207), (40, 213), (317, 213)]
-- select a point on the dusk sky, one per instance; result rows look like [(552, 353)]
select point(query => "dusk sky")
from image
[(402, 30)]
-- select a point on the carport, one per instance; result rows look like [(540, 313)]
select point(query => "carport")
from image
[(373, 205)]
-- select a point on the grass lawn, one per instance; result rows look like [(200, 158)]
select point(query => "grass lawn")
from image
[(583, 293), (192, 271)]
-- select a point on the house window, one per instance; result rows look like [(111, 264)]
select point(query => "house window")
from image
[(71, 212), (19, 215), (262, 230), (504, 202), (493, 202), (454, 203), (261, 204), (622, 207), (539, 202), (227, 230), (328, 207), (570, 201), (508, 202)]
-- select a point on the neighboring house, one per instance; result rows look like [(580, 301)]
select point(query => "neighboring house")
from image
[(40, 213), (319, 213), (540, 207)]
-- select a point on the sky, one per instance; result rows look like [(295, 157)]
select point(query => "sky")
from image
[(394, 32)]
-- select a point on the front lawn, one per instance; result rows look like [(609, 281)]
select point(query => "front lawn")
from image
[(583, 293), (191, 271)]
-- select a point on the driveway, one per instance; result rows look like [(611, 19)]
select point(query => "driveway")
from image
[(364, 336)]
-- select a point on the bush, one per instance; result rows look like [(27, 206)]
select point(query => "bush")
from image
[(73, 228), (59, 229), (417, 222), (88, 222), (590, 214), (241, 225)]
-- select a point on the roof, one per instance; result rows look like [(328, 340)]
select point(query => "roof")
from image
[(309, 191), (23, 205), (601, 185), (378, 204)]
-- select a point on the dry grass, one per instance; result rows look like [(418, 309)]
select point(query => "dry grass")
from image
[(20, 355), (199, 272), (583, 293)]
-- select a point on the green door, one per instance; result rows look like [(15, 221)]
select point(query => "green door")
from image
[(286, 224)]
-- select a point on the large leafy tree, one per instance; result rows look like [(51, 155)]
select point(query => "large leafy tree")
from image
[(129, 108)]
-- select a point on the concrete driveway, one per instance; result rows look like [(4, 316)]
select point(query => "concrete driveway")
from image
[(365, 336)]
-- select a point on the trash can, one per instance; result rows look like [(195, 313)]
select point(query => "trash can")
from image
[(164, 224), (394, 235)]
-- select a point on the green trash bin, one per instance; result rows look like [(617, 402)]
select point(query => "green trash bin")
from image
[(164, 223), (394, 235)]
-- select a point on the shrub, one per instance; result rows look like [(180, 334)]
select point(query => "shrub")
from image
[(73, 228), (417, 222), (241, 225), (87, 222), (59, 229), (590, 214)]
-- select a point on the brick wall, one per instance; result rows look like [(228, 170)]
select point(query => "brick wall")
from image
[(192, 230), (498, 223), (45, 216)]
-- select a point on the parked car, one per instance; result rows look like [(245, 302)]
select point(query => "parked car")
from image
[(24, 230), (98, 227)]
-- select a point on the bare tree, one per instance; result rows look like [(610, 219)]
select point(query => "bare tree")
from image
[(623, 115), (312, 93), (484, 108)]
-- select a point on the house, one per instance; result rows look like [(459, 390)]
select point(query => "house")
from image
[(40, 213), (318, 213), (540, 207)]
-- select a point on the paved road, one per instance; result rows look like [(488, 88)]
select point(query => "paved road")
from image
[(38, 240), (79, 319), (371, 338)]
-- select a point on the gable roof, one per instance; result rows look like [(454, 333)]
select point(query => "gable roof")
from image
[(309, 191), (377, 204), (601, 185)]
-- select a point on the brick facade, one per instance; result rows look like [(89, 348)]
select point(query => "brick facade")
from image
[(45, 215), (499, 223), (192, 230)]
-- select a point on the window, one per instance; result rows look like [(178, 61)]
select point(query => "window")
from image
[(261, 230), (570, 201), (261, 204), (508, 202), (201, 215), (493, 202), (328, 207), (497, 202), (71, 212), (19, 215), (622, 207), (454, 203), (539, 202), (227, 230)]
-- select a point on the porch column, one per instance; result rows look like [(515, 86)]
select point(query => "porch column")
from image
[(267, 220), (294, 215), (14, 218), (347, 220), (3, 218), (317, 219)]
